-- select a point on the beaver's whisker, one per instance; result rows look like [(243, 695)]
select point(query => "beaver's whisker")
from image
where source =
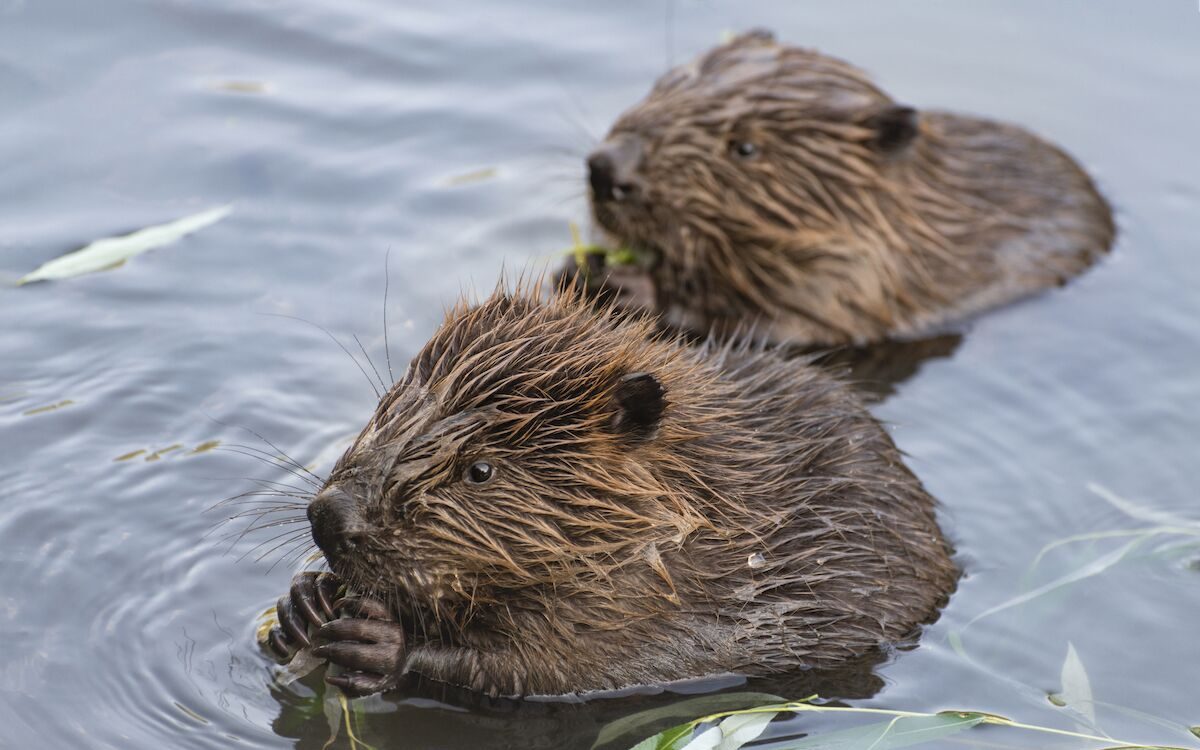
[(272, 483), (300, 495), (304, 550), (335, 340), (371, 362), (283, 459), (249, 496), (575, 196), (293, 555), (269, 460), (284, 556), (294, 511), (387, 282), (240, 534), (264, 501), (281, 453), (557, 151), (256, 517), (264, 483), (288, 538), (256, 514), (237, 535)]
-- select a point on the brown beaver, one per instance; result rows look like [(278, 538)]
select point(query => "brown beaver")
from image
[(554, 499), (777, 185)]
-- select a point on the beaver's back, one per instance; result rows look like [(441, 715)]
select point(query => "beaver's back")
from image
[(842, 547)]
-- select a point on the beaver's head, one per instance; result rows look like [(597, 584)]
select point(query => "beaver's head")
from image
[(510, 465), (752, 147)]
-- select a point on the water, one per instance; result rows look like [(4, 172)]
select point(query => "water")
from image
[(341, 132)]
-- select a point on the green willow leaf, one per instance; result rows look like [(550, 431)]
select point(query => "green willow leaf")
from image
[(902, 731)]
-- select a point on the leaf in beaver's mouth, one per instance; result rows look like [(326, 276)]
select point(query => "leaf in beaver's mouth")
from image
[(613, 257)]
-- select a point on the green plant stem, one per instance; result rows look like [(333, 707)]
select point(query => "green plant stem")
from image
[(800, 706)]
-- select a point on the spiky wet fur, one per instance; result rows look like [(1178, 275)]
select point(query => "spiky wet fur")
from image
[(766, 523), (827, 236)]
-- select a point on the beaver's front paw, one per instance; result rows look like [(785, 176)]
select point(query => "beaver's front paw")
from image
[(370, 646), (309, 604)]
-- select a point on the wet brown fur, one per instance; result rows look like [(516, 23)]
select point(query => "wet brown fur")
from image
[(765, 523), (829, 234)]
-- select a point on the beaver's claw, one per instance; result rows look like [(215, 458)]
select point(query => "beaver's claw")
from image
[(369, 648), (309, 604)]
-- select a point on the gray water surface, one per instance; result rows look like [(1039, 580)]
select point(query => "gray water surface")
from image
[(451, 136)]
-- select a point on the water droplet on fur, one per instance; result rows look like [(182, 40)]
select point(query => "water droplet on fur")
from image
[(756, 560)]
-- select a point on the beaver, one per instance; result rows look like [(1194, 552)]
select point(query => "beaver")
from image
[(778, 185), (554, 499)]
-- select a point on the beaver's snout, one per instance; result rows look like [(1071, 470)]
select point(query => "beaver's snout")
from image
[(612, 168), (337, 523)]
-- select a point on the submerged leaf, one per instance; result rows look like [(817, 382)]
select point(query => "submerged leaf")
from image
[(113, 251), (1093, 568), (1133, 510)]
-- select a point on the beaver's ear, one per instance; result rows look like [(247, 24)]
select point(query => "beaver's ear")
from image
[(753, 37), (640, 400), (895, 127)]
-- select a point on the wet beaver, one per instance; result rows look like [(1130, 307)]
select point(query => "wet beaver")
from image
[(555, 500), (778, 185)]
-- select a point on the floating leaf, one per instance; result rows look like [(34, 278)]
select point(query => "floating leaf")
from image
[(113, 251), (1076, 687), (902, 731), (163, 451), (205, 447), (636, 724), (732, 733), (44, 409), (190, 713), (243, 87), (479, 175)]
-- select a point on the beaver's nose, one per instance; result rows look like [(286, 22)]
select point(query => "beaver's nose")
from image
[(337, 523), (612, 168)]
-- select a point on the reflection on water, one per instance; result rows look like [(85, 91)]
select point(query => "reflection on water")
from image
[(616, 721), (453, 140)]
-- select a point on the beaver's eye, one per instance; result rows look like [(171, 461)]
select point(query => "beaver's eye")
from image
[(480, 472), (743, 149)]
